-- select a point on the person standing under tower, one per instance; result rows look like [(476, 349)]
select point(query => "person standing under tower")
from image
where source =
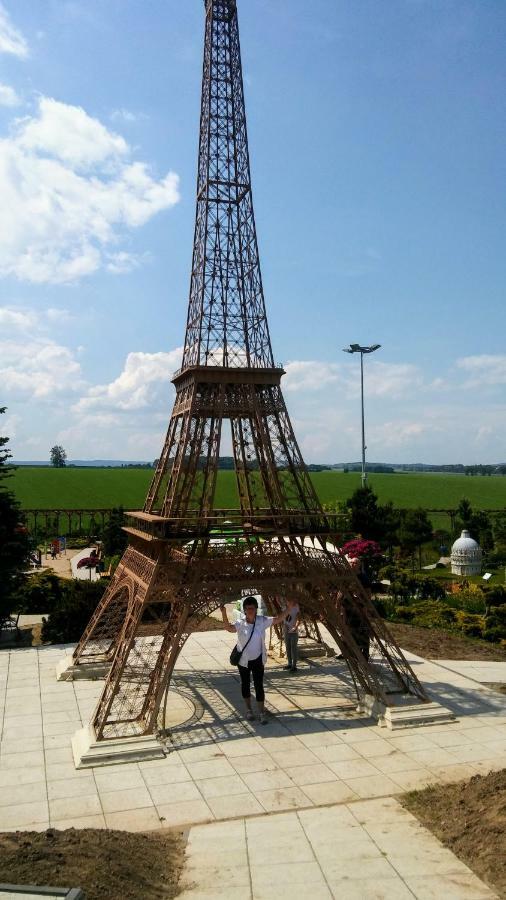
[(291, 624), (250, 630)]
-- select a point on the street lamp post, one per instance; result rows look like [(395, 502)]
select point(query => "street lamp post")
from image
[(356, 348)]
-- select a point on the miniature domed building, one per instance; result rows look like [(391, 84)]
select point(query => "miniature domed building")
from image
[(466, 555)]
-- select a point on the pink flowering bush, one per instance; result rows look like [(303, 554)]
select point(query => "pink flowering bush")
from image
[(361, 549)]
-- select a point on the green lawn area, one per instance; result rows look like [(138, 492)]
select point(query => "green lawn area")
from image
[(88, 488)]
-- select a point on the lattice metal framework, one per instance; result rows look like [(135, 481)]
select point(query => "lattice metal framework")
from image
[(185, 557)]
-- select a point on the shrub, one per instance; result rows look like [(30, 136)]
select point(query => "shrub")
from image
[(470, 625), (403, 614), (72, 612), (434, 614), (495, 633), (471, 600), (38, 593)]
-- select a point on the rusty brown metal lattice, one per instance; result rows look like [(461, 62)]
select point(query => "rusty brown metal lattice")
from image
[(185, 557)]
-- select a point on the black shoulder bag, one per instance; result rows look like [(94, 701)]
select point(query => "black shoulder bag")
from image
[(235, 656)]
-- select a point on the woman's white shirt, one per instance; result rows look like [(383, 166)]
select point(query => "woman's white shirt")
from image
[(256, 645)]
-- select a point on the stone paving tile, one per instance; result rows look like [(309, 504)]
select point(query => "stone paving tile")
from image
[(239, 893), (336, 753), (118, 778), (283, 798), (353, 768), (260, 762), (284, 875), (175, 793), (97, 821), (187, 813), (231, 875), (395, 762), (13, 794), (372, 786), (330, 792), (75, 807), (71, 787), (21, 776), (22, 760), (214, 768), (135, 820), (222, 787), (370, 889), (165, 774), (310, 774), (24, 815), (414, 780), (269, 780), (236, 806), (451, 887), (133, 798)]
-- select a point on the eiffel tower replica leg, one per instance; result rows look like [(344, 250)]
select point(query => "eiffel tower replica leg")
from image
[(186, 557)]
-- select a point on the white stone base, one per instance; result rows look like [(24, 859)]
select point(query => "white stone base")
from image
[(405, 715), (90, 752), (66, 670)]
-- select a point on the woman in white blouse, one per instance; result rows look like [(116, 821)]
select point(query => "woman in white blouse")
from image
[(250, 630)]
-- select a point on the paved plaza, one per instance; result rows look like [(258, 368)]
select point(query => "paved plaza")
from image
[(318, 772)]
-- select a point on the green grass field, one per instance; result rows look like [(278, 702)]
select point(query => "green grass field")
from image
[(46, 488)]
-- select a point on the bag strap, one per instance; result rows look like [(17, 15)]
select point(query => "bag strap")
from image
[(251, 635)]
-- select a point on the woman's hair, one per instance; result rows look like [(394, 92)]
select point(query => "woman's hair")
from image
[(250, 601)]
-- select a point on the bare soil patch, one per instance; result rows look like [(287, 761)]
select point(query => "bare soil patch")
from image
[(470, 818), (435, 643), (107, 865)]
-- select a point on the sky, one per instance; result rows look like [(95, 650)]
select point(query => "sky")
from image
[(377, 137)]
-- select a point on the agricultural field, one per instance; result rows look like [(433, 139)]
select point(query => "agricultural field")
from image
[(88, 488)]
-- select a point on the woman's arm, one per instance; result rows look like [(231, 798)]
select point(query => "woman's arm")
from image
[(226, 623)]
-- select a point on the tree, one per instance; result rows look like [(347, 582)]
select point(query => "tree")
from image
[(14, 540), (500, 530), (58, 457), (415, 530), (113, 537), (370, 520), (465, 513), (477, 523)]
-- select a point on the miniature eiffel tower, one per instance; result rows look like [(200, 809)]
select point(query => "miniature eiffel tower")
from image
[(185, 557)]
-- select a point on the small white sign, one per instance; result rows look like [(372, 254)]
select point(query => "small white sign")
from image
[(487, 575)]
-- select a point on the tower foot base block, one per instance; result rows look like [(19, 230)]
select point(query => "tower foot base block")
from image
[(89, 752), (405, 714), (92, 671)]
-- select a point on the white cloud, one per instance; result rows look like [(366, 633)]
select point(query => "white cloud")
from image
[(305, 375), (32, 364), (382, 379), (70, 134), (391, 379), (70, 192), (144, 382), (38, 368), (11, 40), (16, 318), (126, 115), (484, 369), (8, 96)]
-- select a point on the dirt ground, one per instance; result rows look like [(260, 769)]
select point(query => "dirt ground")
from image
[(107, 865), (470, 818), (434, 643)]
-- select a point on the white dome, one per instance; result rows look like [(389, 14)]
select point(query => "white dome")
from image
[(465, 543), (466, 555)]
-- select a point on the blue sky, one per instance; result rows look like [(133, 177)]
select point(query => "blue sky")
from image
[(377, 137)]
